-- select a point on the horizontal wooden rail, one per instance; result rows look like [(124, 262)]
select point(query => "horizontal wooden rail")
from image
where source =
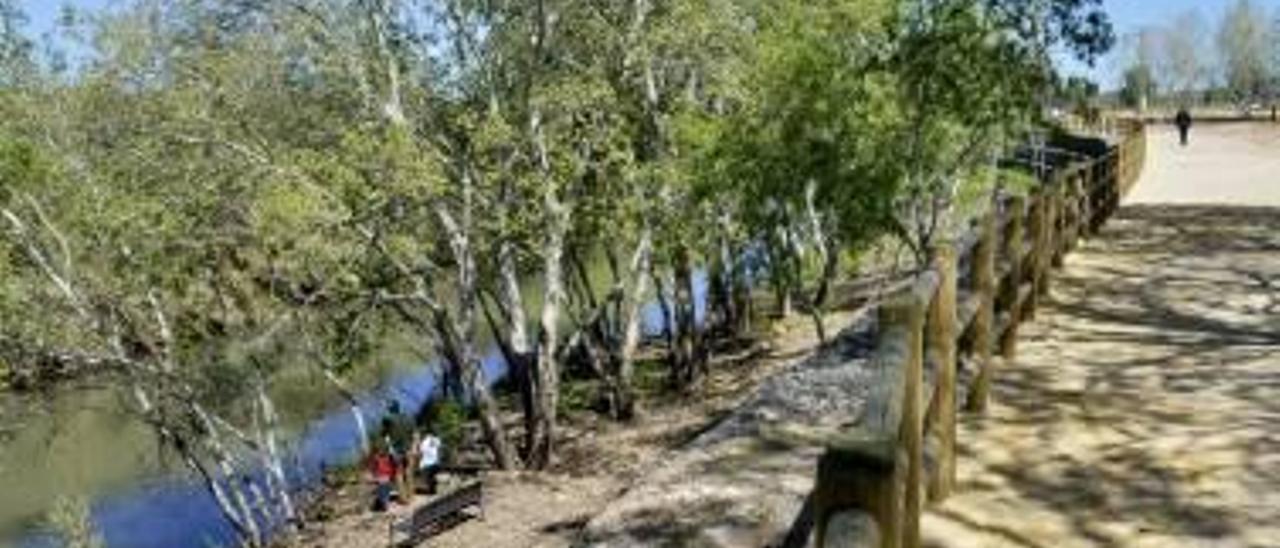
[(874, 479)]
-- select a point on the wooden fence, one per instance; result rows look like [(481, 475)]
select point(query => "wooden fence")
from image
[(963, 312)]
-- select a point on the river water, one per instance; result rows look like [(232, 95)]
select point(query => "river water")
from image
[(87, 445)]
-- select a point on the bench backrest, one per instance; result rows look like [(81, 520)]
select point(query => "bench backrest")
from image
[(468, 495)]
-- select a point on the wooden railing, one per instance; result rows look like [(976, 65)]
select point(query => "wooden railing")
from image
[(963, 312)]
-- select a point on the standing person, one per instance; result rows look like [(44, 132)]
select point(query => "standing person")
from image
[(382, 471), (399, 429), (1183, 120), (429, 459)]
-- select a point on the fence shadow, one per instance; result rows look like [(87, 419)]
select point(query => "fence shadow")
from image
[(1150, 387)]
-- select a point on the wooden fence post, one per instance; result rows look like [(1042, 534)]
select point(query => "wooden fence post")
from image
[(912, 434), (983, 269), (1060, 224), (876, 468), (1049, 248), (1014, 247), (940, 339), (1075, 209), (1035, 257), (1113, 185), (1086, 199)]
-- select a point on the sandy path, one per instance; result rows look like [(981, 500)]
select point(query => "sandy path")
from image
[(1228, 164), (1144, 409)]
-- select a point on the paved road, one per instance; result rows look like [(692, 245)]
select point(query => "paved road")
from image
[(1144, 409), (1233, 164)]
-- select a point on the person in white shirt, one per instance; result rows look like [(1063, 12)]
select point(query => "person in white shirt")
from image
[(429, 459)]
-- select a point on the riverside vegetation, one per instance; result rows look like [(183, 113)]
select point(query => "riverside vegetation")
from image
[(197, 195)]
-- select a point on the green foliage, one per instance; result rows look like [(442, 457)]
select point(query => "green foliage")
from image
[(578, 395), (226, 190), (1139, 86), (1243, 44), (1078, 94), (448, 419), (1019, 182)]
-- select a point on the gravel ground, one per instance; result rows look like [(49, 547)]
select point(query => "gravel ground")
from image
[(736, 484)]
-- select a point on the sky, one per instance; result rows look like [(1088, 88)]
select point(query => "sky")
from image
[(1127, 16), (43, 13)]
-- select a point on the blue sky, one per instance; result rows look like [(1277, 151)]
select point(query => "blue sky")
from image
[(1128, 16), (44, 12), (1132, 15)]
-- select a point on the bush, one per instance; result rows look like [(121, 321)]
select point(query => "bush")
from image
[(448, 419)]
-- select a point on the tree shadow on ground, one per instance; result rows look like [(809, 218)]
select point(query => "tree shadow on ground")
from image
[(1154, 350)]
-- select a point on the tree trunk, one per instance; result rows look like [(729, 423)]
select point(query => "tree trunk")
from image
[(741, 289), (830, 267), (490, 423), (251, 533), (687, 360), (664, 306), (343, 390), (519, 354), (547, 371), (633, 303), (458, 355), (782, 292), (719, 303), (780, 273), (276, 480)]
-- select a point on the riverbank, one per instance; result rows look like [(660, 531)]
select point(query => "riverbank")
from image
[(599, 460)]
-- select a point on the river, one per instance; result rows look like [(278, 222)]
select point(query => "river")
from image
[(87, 445)]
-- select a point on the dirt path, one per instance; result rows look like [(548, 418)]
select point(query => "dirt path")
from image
[(1224, 164), (1144, 409)]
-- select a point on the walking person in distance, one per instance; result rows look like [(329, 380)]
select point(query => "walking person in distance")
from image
[(1183, 121)]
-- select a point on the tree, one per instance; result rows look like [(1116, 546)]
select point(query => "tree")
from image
[(15, 47), (1080, 26), (1185, 61), (230, 187), (1243, 46), (1139, 87), (1142, 56), (794, 152), (1273, 61)]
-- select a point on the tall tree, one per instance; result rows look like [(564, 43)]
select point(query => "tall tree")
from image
[(1185, 62), (15, 47), (1243, 46)]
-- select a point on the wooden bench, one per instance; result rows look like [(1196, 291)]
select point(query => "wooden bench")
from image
[(437, 514)]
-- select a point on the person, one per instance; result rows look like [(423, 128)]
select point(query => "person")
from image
[(398, 428), (382, 471), (1183, 120), (429, 459)]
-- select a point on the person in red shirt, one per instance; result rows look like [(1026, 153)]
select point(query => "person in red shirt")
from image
[(382, 469)]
